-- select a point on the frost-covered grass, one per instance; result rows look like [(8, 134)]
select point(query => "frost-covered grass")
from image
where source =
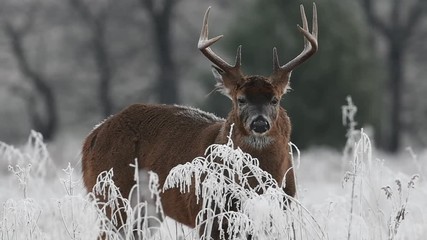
[(40, 201), (258, 200), (357, 194)]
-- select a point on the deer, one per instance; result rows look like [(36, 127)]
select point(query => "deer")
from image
[(161, 137)]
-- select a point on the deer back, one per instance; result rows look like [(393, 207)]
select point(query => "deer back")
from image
[(159, 137)]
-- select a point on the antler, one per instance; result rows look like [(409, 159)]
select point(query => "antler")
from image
[(204, 46), (310, 44)]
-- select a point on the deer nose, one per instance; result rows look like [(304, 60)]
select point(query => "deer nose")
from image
[(260, 125)]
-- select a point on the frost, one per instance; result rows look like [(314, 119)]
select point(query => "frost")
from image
[(234, 191), (374, 202)]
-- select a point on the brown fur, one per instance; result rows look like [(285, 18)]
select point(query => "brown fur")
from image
[(161, 137)]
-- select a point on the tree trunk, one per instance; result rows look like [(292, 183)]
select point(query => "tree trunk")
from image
[(46, 123), (160, 13), (97, 23), (396, 71), (103, 65), (167, 79)]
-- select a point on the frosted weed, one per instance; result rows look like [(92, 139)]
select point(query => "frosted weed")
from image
[(377, 217), (235, 192), (377, 203)]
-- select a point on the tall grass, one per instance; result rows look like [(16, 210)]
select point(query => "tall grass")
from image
[(38, 205), (42, 201), (226, 173)]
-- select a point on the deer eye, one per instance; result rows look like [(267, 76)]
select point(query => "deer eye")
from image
[(241, 100), (274, 101)]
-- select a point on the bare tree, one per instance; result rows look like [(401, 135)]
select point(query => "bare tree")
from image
[(161, 15), (396, 29), (97, 20), (44, 119)]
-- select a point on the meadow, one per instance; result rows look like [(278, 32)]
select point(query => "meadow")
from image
[(359, 193)]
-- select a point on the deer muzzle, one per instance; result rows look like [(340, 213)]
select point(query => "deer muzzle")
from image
[(260, 125)]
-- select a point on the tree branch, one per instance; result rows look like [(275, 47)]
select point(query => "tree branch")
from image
[(148, 4), (15, 40), (373, 19), (414, 17), (168, 6), (48, 126), (395, 14), (81, 9)]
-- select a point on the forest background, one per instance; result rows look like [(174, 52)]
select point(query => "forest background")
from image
[(67, 65)]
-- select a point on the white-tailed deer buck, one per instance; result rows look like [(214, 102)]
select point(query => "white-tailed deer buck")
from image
[(161, 136)]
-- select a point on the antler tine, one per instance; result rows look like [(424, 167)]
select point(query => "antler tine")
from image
[(276, 64), (204, 40), (238, 61), (205, 43), (315, 27), (310, 42), (304, 23)]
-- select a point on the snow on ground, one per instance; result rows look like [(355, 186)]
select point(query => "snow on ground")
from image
[(325, 192), (59, 211)]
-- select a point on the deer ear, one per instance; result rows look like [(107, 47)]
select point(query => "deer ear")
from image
[(220, 86), (282, 81)]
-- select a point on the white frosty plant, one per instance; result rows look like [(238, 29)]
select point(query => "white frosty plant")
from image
[(137, 216), (370, 217), (262, 210)]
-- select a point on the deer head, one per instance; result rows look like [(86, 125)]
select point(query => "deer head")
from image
[(256, 98)]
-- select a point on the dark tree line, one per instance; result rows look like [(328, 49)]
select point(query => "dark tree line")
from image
[(96, 18), (346, 64), (41, 104), (397, 29)]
